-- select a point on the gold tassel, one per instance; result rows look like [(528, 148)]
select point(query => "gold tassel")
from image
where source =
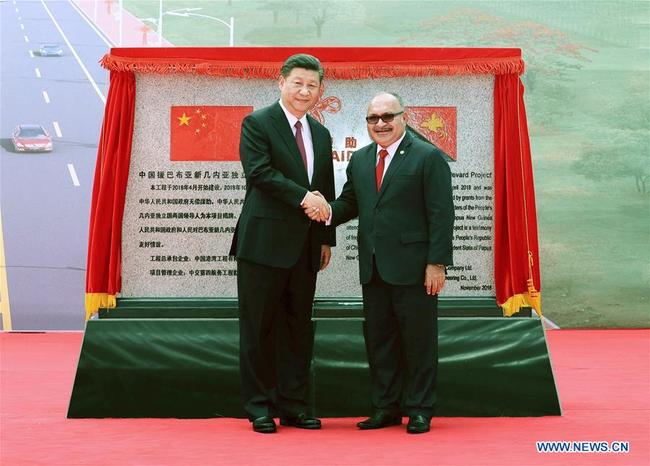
[(534, 297)]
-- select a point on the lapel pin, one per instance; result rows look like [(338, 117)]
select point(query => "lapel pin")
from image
[(401, 152)]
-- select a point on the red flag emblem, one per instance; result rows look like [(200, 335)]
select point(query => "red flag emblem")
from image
[(436, 124), (206, 133)]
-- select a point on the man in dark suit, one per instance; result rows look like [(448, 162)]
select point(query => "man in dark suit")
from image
[(285, 154), (400, 188)]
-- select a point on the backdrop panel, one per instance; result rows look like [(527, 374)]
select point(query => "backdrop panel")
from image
[(181, 204)]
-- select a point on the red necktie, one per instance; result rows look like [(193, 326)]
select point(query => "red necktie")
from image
[(301, 143), (380, 167)]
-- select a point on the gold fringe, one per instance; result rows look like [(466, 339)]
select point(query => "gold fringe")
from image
[(532, 298), (95, 301)]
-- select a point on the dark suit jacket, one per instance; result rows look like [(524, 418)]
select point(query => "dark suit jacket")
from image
[(272, 228), (410, 222)]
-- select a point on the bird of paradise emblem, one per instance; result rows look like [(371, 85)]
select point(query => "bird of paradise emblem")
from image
[(435, 124)]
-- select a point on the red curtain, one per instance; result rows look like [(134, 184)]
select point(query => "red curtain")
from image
[(103, 273), (516, 254)]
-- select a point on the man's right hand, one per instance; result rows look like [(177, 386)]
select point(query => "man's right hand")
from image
[(316, 207)]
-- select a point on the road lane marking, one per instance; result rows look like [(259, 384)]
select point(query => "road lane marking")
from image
[(74, 52), (57, 129), (31, 54), (38, 72), (5, 308), (90, 23), (46, 97), (73, 175), (26, 38), (22, 27)]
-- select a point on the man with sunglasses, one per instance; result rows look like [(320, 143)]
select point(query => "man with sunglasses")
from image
[(400, 188)]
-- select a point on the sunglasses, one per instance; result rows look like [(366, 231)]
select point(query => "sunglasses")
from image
[(386, 118)]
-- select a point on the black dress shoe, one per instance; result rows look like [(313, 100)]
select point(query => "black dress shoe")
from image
[(418, 424), (264, 425), (302, 421), (378, 420)]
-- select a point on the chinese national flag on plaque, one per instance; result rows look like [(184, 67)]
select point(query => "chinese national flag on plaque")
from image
[(206, 133), (436, 124)]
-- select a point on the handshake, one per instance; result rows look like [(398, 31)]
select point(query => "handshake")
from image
[(316, 207)]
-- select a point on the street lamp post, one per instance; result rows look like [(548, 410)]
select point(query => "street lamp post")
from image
[(120, 22), (160, 15), (185, 12), (230, 26)]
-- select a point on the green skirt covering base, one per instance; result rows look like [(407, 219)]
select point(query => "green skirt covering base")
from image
[(188, 368)]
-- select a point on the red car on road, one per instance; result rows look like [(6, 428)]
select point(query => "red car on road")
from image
[(31, 138)]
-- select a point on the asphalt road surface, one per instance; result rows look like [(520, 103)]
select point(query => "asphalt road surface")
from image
[(45, 197)]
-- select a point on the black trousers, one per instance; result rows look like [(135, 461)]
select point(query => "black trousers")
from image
[(276, 336), (401, 334)]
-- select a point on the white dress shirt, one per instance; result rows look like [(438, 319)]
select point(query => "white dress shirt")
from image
[(306, 138)]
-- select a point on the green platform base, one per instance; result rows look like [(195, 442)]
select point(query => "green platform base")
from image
[(188, 368)]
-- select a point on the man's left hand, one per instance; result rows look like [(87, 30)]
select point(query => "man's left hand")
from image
[(325, 255), (434, 278)]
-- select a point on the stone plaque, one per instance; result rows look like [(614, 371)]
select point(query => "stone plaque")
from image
[(180, 214)]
